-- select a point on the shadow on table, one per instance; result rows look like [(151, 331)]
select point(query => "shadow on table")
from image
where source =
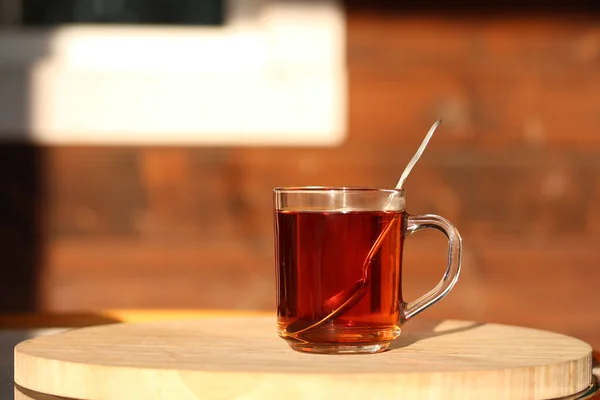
[(22, 393), (417, 330)]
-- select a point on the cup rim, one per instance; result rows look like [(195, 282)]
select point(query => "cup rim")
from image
[(320, 189)]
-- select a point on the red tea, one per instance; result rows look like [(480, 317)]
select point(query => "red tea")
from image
[(320, 254)]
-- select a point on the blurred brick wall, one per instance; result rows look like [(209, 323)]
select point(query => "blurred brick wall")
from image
[(515, 165)]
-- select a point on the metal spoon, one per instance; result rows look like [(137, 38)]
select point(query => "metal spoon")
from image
[(342, 301), (418, 154)]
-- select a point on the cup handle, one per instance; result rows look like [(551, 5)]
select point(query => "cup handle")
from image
[(416, 223)]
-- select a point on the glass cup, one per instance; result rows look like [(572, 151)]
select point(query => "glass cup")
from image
[(338, 253)]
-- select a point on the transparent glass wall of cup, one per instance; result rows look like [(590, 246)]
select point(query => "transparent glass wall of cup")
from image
[(338, 258)]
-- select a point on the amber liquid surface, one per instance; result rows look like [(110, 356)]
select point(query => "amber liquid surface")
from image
[(320, 254)]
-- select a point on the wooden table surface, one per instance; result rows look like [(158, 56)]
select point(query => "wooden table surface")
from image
[(43, 321), (15, 328)]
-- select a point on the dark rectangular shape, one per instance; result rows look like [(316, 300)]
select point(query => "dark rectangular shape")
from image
[(139, 12)]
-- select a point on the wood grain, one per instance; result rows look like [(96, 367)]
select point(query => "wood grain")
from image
[(242, 357)]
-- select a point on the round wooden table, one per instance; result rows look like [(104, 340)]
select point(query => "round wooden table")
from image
[(240, 356)]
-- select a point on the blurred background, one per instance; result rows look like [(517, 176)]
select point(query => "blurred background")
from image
[(140, 141)]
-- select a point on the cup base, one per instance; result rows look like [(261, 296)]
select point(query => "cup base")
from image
[(339, 348)]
